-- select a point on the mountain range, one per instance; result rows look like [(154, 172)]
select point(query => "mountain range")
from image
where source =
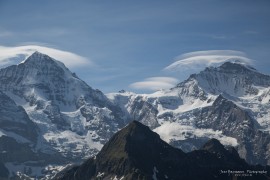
[(50, 118)]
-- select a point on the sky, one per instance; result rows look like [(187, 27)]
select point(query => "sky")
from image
[(138, 46)]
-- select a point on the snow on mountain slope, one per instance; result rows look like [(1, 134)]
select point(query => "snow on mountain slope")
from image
[(19, 138)]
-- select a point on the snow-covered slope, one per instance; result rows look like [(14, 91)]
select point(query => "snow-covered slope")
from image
[(230, 103)]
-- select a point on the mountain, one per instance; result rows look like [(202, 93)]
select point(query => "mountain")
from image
[(135, 152), (50, 109), (229, 103)]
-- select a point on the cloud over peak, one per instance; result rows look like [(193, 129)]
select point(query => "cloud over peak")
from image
[(9, 55), (201, 59)]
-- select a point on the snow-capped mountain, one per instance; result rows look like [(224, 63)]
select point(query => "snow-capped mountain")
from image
[(59, 113), (50, 117), (229, 103)]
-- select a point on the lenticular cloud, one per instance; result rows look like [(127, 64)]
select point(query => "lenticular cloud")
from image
[(155, 83), (200, 59), (8, 54)]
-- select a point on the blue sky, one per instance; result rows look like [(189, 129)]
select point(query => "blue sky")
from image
[(129, 45)]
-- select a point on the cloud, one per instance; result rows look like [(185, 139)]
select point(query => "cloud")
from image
[(155, 83), (9, 55), (202, 59)]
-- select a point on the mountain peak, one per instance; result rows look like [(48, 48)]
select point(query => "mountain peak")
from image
[(37, 53), (135, 147), (236, 66), (42, 64), (132, 137), (40, 58), (232, 78)]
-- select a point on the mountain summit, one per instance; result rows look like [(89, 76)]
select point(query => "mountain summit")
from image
[(41, 77), (232, 78)]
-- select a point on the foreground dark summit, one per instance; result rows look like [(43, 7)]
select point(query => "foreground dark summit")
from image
[(135, 152)]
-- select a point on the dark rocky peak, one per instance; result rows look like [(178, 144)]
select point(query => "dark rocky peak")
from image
[(134, 152), (215, 147), (136, 140), (228, 155)]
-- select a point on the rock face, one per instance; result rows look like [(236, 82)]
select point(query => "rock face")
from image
[(15, 121), (19, 141), (3, 171), (227, 117), (136, 152)]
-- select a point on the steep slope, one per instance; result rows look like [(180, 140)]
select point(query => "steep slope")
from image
[(3, 171), (189, 114), (136, 152), (15, 122)]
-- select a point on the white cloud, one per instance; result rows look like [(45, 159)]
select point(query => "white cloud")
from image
[(201, 59), (9, 54), (155, 83)]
